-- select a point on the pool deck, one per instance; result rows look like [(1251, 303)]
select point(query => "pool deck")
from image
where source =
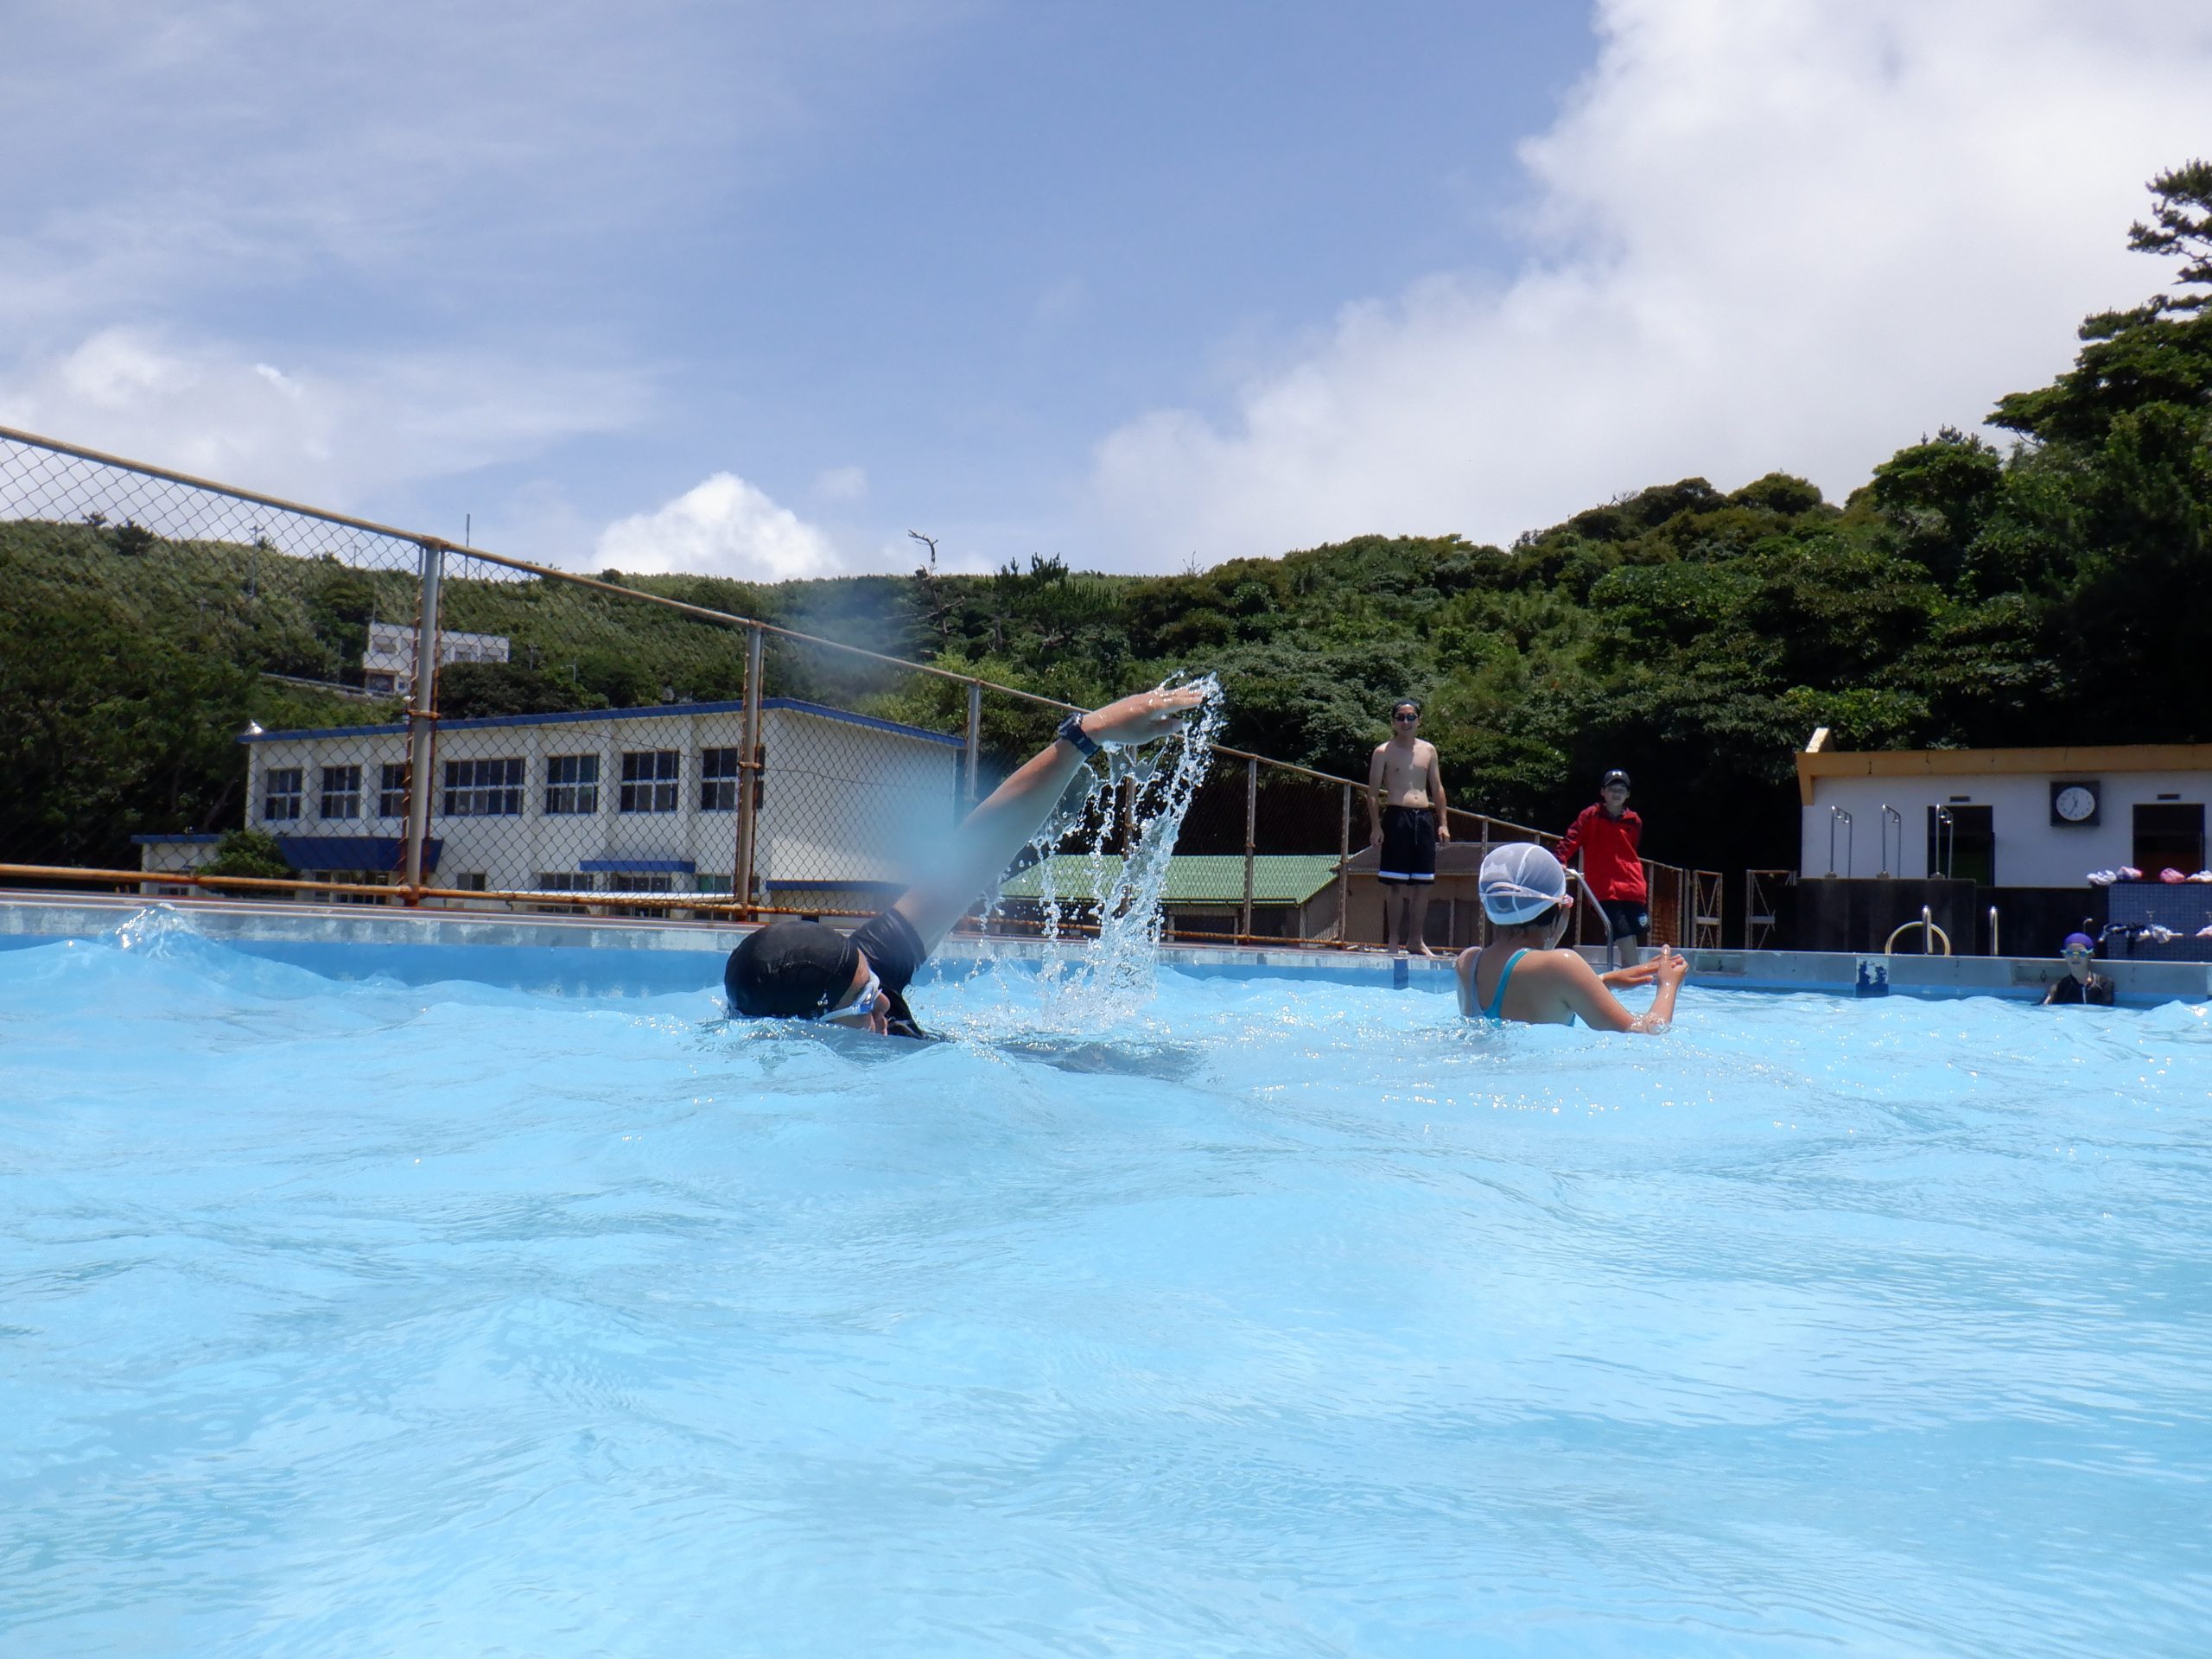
[(413, 945)]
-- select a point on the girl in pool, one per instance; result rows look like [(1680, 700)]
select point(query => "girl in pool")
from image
[(1522, 975)]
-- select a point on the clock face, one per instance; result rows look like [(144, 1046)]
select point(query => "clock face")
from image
[(2073, 803)]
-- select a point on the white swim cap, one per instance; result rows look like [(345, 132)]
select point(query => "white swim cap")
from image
[(1520, 882)]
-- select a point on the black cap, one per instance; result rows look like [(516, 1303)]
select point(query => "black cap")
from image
[(1616, 776), (790, 970)]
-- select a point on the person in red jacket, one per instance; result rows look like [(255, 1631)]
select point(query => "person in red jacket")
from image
[(1610, 838)]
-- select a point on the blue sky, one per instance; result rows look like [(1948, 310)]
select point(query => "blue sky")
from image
[(756, 288)]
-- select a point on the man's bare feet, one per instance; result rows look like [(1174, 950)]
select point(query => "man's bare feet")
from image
[(1425, 951)]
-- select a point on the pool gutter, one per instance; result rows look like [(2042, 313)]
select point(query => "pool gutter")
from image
[(691, 952)]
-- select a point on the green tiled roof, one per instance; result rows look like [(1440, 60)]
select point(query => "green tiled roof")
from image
[(1192, 878)]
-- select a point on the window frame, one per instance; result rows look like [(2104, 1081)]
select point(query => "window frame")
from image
[(579, 792), (658, 792), (476, 793), (351, 794), (275, 792)]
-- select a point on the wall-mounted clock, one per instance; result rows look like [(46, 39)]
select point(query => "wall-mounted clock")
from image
[(2074, 805)]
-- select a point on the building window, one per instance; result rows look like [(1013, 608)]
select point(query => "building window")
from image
[(571, 784), (2169, 835), (648, 781), (718, 776), (484, 789), (391, 791), (710, 884), (621, 882), (467, 881), (341, 792), (561, 882), (352, 878), (282, 790)]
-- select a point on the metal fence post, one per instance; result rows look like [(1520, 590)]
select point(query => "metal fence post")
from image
[(748, 779), (1343, 873), (975, 738), (1482, 915), (423, 719), (1251, 836)]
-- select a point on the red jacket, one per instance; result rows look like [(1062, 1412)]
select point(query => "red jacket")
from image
[(1611, 852)]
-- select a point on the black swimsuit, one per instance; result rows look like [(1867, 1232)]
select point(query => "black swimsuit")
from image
[(894, 951)]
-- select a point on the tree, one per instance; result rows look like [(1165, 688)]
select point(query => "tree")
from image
[(2182, 228)]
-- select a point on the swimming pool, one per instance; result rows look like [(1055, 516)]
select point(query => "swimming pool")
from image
[(1269, 1316)]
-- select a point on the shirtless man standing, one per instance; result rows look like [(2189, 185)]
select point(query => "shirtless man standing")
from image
[(1406, 819)]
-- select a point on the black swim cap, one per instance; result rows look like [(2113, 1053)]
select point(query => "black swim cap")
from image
[(790, 970)]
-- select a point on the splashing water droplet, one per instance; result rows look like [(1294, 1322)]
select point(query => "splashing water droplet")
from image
[(1140, 797), (153, 930)]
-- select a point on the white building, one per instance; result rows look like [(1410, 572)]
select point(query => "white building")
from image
[(625, 800), (388, 662), (2004, 817)]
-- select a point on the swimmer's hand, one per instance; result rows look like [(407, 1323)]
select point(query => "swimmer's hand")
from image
[(1143, 717), (1622, 978), (1670, 967)]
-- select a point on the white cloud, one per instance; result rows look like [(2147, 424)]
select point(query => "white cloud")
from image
[(842, 484), (1767, 236), (724, 527), (333, 436)]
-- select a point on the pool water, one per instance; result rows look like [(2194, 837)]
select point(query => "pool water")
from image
[(1264, 1316)]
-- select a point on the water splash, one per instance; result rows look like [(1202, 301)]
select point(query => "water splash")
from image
[(155, 932), (1143, 794)]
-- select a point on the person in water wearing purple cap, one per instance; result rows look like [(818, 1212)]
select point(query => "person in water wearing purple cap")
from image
[(803, 970), (2078, 983)]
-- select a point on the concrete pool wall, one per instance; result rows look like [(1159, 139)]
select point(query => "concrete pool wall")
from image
[(583, 953)]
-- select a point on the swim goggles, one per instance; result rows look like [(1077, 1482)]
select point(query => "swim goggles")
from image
[(864, 1003)]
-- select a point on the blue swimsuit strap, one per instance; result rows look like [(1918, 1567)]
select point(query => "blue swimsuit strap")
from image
[(1498, 997)]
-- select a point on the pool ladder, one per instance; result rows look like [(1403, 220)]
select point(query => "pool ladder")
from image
[(1928, 934)]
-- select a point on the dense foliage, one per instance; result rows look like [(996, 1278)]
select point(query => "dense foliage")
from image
[(2053, 593)]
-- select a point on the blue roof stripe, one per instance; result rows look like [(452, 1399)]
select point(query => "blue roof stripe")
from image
[(657, 711)]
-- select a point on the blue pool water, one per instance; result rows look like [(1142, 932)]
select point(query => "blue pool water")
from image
[(1271, 1317)]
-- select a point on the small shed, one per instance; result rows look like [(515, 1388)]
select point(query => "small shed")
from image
[(1293, 894), (1455, 910)]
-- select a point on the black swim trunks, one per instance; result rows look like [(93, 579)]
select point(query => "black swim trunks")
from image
[(1625, 919), (894, 951), (1409, 844)]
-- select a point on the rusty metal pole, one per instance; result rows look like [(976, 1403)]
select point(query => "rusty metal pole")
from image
[(423, 719), (748, 779), (1251, 835), (975, 741), (1343, 872), (1482, 915)]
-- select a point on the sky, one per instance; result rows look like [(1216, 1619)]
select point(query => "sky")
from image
[(755, 288)]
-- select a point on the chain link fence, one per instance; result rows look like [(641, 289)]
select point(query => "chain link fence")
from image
[(326, 708)]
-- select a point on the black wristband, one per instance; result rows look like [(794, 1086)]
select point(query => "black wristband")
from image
[(1071, 732)]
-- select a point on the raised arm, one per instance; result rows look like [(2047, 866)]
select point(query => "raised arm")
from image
[(1002, 825), (1588, 995)]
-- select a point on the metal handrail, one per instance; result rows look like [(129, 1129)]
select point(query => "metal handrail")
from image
[(1850, 832), (1928, 934), (1889, 814), (1994, 950), (1947, 839)]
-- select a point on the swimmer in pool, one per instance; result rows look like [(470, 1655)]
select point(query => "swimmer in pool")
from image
[(803, 970), (1522, 975)]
